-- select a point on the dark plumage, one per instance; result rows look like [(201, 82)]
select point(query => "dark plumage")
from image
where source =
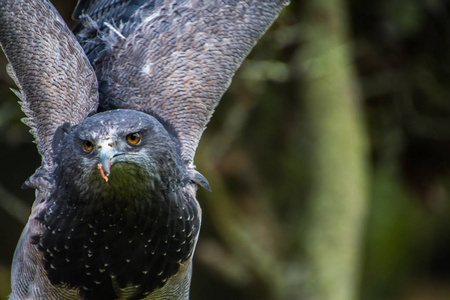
[(134, 229), (117, 116)]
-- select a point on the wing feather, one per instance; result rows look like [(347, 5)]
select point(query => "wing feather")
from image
[(56, 81), (174, 58)]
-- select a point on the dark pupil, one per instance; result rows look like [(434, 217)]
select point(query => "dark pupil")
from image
[(133, 137), (88, 144)]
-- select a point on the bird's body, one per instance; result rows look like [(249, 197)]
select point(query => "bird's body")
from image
[(116, 215), (124, 236)]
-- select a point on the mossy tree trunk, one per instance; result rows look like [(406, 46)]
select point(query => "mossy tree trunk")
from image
[(337, 202)]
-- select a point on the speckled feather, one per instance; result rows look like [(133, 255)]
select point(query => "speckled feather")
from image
[(174, 58), (128, 230), (56, 83)]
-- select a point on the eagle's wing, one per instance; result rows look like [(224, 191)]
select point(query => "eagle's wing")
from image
[(57, 83), (172, 58)]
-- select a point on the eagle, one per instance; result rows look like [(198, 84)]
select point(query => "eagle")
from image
[(117, 106)]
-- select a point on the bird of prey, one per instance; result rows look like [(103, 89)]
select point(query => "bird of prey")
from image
[(117, 107)]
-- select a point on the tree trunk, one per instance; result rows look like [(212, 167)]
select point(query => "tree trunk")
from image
[(336, 214)]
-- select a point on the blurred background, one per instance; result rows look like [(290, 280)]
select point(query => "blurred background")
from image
[(328, 158)]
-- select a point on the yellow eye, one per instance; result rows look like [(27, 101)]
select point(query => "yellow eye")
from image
[(87, 145), (134, 138)]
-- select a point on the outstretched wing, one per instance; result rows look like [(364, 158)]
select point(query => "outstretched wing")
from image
[(172, 58), (57, 83)]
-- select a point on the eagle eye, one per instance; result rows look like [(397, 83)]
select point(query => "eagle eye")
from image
[(133, 138), (88, 146)]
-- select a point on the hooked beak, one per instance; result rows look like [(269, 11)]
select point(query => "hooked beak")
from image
[(106, 155)]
